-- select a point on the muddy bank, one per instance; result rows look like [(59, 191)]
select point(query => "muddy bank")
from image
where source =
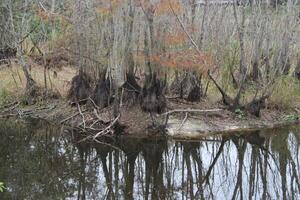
[(188, 120)]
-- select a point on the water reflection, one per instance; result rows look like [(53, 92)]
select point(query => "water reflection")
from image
[(39, 161)]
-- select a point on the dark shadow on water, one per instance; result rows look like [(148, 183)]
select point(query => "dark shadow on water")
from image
[(40, 161)]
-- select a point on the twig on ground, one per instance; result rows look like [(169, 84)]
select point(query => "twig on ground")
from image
[(183, 121), (95, 105), (68, 118), (8, 105), (8, 115), (103, 132), (82, 115), (108, 128)]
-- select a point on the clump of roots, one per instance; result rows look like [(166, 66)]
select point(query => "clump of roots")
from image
[(6, 53), (152, 98), (80, 89), (131, 91), (101, 94), (34, 94), (187, 86)]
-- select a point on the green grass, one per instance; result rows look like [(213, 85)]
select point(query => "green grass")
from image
[(286, 95), (5, 97), (2, 187)]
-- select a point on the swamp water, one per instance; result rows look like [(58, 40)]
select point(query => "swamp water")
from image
[(39, 161)]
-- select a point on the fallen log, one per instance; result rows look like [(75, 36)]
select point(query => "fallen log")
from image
[(192, 110)]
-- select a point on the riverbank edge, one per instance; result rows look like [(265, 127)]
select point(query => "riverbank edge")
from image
[(139, 124)]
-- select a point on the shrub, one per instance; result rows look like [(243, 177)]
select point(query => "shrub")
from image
[(4, 97), (286, 95)]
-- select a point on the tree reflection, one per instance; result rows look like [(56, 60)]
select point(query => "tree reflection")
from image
[(152, 152), (38, 162)]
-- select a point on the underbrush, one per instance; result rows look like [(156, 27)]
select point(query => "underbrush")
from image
[(286, 95), (5, 97)]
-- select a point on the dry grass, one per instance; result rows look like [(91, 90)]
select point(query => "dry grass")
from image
[(286, 95), (13, 81)]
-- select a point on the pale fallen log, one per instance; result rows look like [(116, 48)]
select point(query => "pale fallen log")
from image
[(192, 110)]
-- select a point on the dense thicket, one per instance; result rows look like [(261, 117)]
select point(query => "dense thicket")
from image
[(137, 51)]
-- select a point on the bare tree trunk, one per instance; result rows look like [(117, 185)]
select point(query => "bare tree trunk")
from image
[(257, 51), (202, 24), (241, 30), (30, 83), (297, 69), (131, 89)]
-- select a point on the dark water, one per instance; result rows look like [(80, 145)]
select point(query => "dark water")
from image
[(38, 161)]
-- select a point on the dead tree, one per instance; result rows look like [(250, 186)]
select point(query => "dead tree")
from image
[(131, 89)]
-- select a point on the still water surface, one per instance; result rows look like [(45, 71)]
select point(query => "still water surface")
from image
[(39, 161)]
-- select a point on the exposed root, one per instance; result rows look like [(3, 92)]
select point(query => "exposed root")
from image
[(253, 108)]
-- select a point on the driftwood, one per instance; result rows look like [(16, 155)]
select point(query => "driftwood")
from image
[(192, 110), (100, 132), (93, 126), (15, 111), (108, 129), (187, 111), (68, 118), (183, 121), (9, 106)]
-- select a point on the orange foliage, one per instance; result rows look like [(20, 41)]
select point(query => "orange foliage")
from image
[(182, 59), (177, 39), (105, 7), (50, 17), (185, 59), (163, 7), (45, 16), (103, 11), (139, 58)]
